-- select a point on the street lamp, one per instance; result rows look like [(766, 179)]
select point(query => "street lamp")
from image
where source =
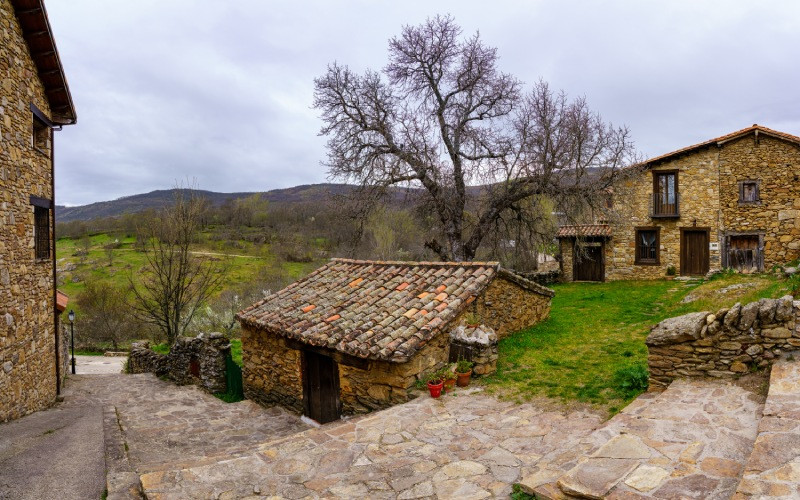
[(71, 317)]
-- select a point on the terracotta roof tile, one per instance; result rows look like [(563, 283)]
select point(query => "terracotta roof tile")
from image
[(584, 230), (376, 310)]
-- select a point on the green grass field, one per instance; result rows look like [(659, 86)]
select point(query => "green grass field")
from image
[(241, 264), (596, 332)]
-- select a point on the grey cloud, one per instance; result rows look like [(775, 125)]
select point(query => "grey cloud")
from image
[(222, 91)]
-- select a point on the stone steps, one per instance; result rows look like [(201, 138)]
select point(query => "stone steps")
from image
[(690, 441), (773, 468)]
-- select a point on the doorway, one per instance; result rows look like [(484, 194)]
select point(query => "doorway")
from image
[(588, 263), (694, 252), (321, 387)]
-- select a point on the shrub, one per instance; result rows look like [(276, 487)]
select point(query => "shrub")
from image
[(631, 380)]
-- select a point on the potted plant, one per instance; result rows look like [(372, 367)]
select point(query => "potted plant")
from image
[(463, 372), (472, 320), (435, 384), (449, 377), (671, 272)]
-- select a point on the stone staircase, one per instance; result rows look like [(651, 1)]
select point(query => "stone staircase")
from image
[(699, 438)]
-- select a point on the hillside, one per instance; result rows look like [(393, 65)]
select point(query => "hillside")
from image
[(162, 197)]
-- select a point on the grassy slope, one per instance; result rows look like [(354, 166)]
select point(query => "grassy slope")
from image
[(596, 329), (127, 261)]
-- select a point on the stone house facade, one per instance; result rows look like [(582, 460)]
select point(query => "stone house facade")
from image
[(731, 202), (34, 101), (355, 336)]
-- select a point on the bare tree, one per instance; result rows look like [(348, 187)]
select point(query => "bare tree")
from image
[(441, 116), (105, 314), (174, 283)]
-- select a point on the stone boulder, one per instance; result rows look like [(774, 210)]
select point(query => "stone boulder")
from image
[(679, 329)]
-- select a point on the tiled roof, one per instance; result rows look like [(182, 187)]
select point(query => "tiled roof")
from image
[(584, 230), (376, 310), (719, 141), (61, 300)]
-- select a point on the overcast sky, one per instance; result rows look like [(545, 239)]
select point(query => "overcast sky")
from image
[(221, 91)]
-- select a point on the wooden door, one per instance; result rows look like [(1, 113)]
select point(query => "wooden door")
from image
[(743, 253), (694, 252), (321, 387), (587, 262)]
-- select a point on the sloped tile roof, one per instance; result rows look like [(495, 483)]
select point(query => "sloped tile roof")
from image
[(373, 309), (719, 141), (62, 299), (584, 230)]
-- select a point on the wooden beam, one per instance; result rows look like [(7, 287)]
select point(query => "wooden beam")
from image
[(339, 357)]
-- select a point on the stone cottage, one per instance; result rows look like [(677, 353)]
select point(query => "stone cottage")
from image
[(730, 202), (34, 101), (356, 335)]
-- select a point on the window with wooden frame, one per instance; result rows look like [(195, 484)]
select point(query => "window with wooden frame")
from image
[(40, 130), (749, 192), (665, 194), (648, 244), (41, 227)]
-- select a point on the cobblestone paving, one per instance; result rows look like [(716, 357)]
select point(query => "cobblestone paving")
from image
[(691, 441), (773, 470), (169, 426), (466, 445)]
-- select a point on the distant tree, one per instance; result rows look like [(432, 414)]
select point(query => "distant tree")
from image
[(174, 283), (441, 116), (105, 315)]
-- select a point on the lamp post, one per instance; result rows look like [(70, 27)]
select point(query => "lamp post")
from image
[(71, 317)]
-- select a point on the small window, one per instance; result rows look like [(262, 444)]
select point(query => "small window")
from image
[(41, 136), (647, 246), (748, 192), (41, 234)]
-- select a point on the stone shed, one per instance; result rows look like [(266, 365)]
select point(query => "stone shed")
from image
[(356, 335)]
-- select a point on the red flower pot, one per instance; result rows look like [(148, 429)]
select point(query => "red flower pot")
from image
[(435, 389)]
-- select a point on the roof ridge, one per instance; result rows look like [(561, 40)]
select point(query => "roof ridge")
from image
[(723, 139), (412, 263)]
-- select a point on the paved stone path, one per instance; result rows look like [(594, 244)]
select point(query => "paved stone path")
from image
[(773, 470), (466, 445), (691, 441), (167, 426), (94, 365)]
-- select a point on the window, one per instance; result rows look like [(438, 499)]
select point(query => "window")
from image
[(749, 192), (41, 227), (647, 246), (665, 194), (41, 136)]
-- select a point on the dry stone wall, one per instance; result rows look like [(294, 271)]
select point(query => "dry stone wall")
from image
[(481, 341), (27, 323), (508, 307), (271, 371), (385, 384), (205, 355), (723, 344)]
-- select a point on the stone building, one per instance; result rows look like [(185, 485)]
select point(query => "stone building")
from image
[(730, 202), (34, 101), (356, 335)]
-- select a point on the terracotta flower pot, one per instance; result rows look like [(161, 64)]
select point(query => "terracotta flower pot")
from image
[(435, 389), (449, 384), (463, 379)]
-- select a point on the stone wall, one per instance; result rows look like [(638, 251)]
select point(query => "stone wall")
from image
[(27, 324), (507, 307), (723, 344), (206, 353), (271, 371), (385, 384), (774, 164), (481, 341)]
